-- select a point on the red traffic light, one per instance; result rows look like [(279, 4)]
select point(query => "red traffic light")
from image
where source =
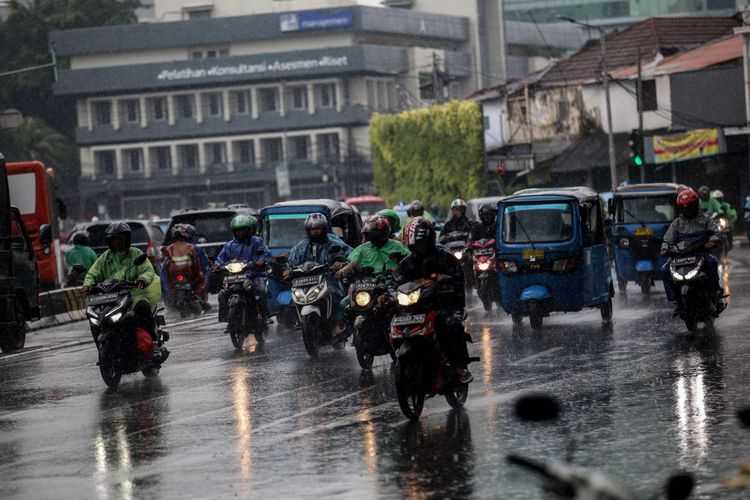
[(180, 278)]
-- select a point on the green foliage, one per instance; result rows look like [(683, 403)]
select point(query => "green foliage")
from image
[(34, 140), (23, 43), (433, 154)]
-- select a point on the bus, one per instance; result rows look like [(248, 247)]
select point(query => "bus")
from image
[(31, 189)]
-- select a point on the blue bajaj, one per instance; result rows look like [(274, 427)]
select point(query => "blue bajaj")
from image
[(552, 254), (641, 214)]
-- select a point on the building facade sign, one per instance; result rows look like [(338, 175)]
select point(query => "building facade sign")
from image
[(686, 146), (316, 20)]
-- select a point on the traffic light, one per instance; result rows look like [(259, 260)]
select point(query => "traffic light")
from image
[(636, 148)]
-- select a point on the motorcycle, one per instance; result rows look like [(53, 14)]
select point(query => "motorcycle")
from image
[(727, 236), (117, 338), (184, 298), (315, 305), (458, 242), (421, 365), (244, 316), (372, 321), (690, 281), (485, 272)]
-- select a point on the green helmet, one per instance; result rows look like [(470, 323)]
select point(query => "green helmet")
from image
[(393, 219), (244, 222)]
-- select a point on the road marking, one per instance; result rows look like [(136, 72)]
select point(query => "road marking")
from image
[(536, 356)]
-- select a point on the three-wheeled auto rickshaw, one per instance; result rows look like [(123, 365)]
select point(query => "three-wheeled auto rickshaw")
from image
[(282, 227), (552, 254), (641, 214)]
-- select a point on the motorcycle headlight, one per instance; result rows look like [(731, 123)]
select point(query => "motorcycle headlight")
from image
[(677, 276), (94, 321), (363, 299), (624, 242), (408, 299), (299, 294), (458, 254), (313, 295), (115, 317), (692, 274), (236, 267), (484, 266), (723, 223)]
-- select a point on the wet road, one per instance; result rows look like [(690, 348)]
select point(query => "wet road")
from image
[(642, 402)]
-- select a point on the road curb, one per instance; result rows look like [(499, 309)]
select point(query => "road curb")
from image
[(59, 307), (48, 348)]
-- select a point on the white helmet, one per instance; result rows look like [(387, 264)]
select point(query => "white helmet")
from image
[(717, 195)]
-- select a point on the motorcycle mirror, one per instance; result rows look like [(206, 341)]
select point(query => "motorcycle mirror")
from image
[(537, 408), (680, 486), (140, 259), (78, 268), (744, 416)]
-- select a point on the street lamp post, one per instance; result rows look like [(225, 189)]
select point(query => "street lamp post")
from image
[(605, 82)]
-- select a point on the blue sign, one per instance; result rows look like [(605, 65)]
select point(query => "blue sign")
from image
[(316, 20)]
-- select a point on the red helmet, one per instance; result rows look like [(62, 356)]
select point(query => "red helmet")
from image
[(376, 230), (419, 229), (688, 203)]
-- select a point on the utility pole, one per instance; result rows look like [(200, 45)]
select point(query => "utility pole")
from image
[(437, 90), (639, 94)]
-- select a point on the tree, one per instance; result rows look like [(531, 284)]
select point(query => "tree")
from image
[(34, 140), (434, 154)]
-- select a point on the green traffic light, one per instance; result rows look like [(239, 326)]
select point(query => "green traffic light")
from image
[(638, 161)]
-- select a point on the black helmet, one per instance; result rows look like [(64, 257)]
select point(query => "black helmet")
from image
[(416, 209), (317, 220), (377, 230), (417, 230), (118, 230), (487, 208), (81, 239), (703, 191)]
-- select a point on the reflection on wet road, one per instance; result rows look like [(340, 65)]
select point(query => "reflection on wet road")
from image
[(639, 402)]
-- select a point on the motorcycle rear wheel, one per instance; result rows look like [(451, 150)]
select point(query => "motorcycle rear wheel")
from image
[(457, 396), (410, 401)]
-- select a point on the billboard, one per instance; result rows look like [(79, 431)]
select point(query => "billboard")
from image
[(316, 20), (685, 146)]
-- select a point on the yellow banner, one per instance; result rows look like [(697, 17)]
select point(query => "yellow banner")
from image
[(686, 146)]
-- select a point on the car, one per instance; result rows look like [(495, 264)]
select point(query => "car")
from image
[(473, 205), (367, 205), (162, 223), (211, 226), (147, 237)]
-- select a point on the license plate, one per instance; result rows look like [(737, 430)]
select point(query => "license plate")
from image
[(234, 278), (644, 231), (360, 287), (409, 320), (306, 281), (105, 298), (684, 261), (484, 252), (532, 254)]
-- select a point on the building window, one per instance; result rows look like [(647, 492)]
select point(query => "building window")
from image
[(328, 147), (372, 102), (104, 162), (216, 153), (212, 104), (297, 100), (197, 13), (241, 102), (161, 158), (209, 53), (269, 99), (103, 112), (649, 95), (486, 122), (157, 107), (244, 152), (188, 154), (563, 116), (325, 95), (426, 90), (184, 106), (381, 95), (299, 148), (130, 110), (132, 159), (390, 88), (271, 149)]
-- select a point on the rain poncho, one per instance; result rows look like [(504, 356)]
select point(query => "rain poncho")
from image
[(368, 255), (118, 265), (247, 251), (80, 254)]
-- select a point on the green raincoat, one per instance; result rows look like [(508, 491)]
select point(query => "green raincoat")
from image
[(114, 265)]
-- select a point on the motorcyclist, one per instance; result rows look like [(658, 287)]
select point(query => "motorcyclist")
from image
[(247, 247), (205, 263), (181, 259), (393, 220), (709, 205), (692, 221), (322, 247), (377, 249), (82, 254), (458, 220), (429, 262), (117, 263), (487, 228), (726, 208), (415, 209)]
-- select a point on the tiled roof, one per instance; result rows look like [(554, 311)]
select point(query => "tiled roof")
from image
[(664, 35)]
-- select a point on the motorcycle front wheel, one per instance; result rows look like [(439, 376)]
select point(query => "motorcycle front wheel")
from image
[(110, 371), (456, 397), (237, 333), (364, 358), (311, 334), (410, 400)]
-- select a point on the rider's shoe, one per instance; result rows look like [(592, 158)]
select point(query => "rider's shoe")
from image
[(464, 375)]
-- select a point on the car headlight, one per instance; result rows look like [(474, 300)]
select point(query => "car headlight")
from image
[(363, 299), (236, 267), (508, 266), (624, 242), (458, 254), (484, 266)]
